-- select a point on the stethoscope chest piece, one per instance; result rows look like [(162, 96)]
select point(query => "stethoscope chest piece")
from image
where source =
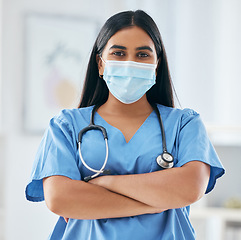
[(165, 160)]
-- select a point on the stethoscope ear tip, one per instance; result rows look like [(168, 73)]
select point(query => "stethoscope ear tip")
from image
[(86, 179), (107, 172)]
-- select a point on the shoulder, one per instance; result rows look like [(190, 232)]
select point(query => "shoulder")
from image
[(73, 118), (183, 113), (75, 113), (178, 116)]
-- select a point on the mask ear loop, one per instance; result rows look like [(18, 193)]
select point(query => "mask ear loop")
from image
[(102, 59), (101, 76)]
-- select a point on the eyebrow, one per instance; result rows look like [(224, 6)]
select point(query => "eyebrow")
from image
[(124, 48), (144, 48), (118, 46)]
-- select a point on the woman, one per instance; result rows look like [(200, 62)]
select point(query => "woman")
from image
[(129, 84)]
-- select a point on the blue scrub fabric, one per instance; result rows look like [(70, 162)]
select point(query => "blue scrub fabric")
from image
[(58, 154)]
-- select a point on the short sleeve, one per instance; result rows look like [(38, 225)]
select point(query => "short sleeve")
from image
[(56, 156), (194, 144)]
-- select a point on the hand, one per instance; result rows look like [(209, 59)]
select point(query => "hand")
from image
[(94, 180), (156, 210), (100, 181)]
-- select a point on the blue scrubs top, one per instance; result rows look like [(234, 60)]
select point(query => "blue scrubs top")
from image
[(187, 140)]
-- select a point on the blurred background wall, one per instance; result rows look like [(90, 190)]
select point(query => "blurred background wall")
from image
[(202, 39)]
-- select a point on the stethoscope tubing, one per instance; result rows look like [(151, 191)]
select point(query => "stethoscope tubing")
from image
[(101, 170)]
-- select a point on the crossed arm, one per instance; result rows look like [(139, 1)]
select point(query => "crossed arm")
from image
[(127, 195)]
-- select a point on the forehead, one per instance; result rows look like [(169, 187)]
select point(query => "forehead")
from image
[(131, 37)]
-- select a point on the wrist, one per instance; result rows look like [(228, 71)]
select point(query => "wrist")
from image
[(106, 181), (103, 181)]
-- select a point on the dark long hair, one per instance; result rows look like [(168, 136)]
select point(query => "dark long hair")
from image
[(95, 91)]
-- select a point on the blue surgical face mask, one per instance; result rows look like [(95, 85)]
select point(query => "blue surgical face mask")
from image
[(128, 81)]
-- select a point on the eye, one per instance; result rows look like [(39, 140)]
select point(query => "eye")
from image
[(119, 53), (142, 55)]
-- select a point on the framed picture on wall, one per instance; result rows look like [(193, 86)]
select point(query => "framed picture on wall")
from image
[(56, 54)]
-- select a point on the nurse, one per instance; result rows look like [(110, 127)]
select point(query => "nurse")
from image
[(127, 73)]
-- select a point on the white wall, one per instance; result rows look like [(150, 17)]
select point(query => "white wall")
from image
[(207, 58), (0, 60), (1, 140)]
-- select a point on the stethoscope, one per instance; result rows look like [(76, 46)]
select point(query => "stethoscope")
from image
[(164, 160)]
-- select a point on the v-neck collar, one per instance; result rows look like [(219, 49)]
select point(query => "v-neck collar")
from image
[(105, 123)]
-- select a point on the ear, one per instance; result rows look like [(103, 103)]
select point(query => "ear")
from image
[(100, 64)]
